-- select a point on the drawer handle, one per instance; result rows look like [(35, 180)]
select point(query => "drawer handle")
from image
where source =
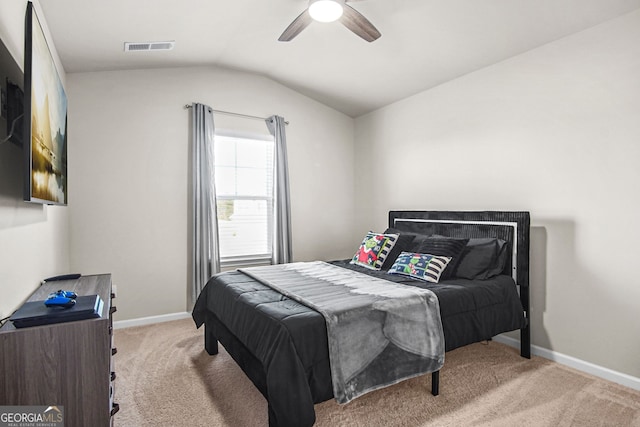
[(113, 295), (113, 309), (114, 351), (115, 408), (113, 376)]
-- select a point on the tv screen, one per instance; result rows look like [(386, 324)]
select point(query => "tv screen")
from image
[(45, 128)]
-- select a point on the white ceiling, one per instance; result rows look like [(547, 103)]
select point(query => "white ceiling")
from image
[(424, 42)]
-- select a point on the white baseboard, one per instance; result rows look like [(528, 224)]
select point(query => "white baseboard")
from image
[(120, 324), (572, 362)]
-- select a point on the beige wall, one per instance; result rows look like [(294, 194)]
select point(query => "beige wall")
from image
[(129, 174), (554, 131), (33, 238)]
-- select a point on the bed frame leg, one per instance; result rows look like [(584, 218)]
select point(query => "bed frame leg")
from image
[(525, 333), (435, 383), (525, 341), (210, 341)]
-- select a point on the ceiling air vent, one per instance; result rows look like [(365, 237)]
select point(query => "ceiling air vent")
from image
[(148, 46)]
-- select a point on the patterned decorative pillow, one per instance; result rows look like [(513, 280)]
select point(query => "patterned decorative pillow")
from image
[(420, 266), (374, 249)]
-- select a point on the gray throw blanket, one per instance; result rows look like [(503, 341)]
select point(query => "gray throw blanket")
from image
[(379, 332)]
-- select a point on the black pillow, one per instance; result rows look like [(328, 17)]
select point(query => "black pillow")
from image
[(503, 256), (402, 245), (482, 258), (416, 238), (441, 246), (408, 233)]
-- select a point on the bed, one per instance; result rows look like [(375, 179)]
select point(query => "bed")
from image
[(281, 344)]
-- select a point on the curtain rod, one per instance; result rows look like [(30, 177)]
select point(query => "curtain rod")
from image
[(229, 113)]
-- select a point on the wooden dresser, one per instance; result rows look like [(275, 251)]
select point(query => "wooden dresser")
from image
[(68, 364)]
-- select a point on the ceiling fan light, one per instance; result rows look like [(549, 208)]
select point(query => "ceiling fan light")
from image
[(325, 10)]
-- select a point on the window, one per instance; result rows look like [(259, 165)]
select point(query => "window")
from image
[(244, 198)]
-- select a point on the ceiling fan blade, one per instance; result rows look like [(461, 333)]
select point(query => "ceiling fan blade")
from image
[(356, 22), (298, 24)]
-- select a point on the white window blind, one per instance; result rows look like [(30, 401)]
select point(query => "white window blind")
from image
[(244, 197)]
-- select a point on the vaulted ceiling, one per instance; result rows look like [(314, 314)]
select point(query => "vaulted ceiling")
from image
[(424, 42)]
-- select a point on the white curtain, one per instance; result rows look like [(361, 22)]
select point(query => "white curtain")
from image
[(282, 210), (205, 254)]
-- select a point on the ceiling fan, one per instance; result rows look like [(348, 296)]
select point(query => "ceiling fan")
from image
[(329, 11)]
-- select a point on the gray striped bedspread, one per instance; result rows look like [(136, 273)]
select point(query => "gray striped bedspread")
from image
[(379, 332)]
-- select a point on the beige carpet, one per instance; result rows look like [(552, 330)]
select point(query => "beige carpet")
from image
[(165, 378)]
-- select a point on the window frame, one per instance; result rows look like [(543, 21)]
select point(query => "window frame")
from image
[(257, 258)]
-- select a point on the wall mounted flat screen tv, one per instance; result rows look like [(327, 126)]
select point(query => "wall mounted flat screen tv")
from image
[(45, 128)]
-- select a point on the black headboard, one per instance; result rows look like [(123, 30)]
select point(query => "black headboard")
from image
[(512, 227)]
